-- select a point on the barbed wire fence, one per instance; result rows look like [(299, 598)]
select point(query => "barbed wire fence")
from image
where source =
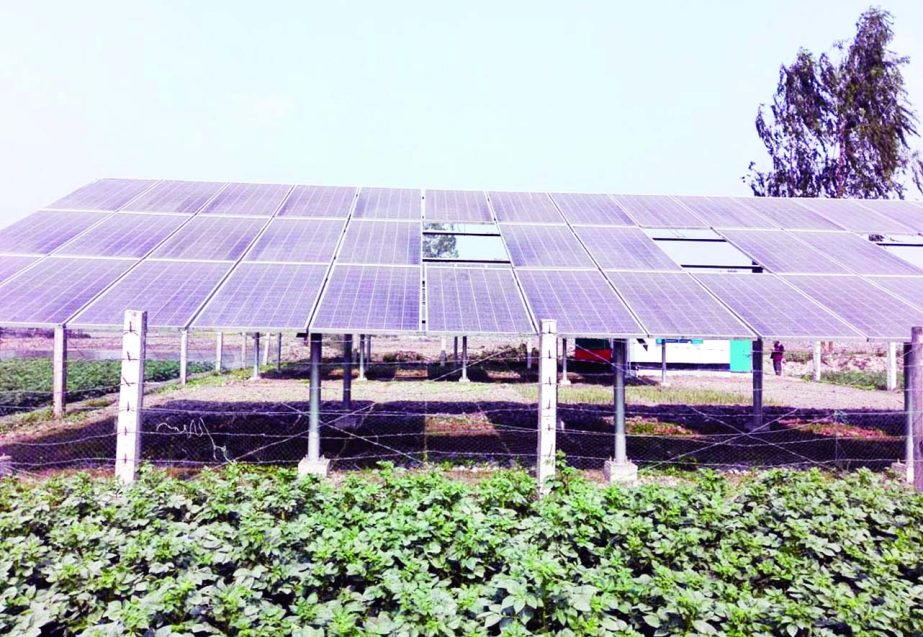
[(412, 410)]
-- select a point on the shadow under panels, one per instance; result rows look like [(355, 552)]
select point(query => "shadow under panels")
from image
[(473, 300)]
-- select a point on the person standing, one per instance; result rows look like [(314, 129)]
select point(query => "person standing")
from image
[(777, 356)]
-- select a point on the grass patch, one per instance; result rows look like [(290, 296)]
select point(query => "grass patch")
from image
[(858, 379)]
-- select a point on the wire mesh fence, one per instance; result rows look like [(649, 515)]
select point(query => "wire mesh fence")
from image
[(413, 411)]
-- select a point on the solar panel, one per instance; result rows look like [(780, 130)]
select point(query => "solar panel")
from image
[(124, 235), (773, 308), (248, 199), (211, 238), (474, 300), (906, 288), (388, 203), (581, 301), (371, 242), (591, 210), (319, 201), (853, 217), (370, 299), (780, 251), (43, 231), (725, 212), (105, 194), (298, 240), (54, 288), (858, 254), (544, 246), (170, 291), (11, 265), (264, 296), (457, 206), (624, 249), (787, 214), (871, 310), (909, 213), (655, 211), (175, 196), (530, 207), (674, 304)]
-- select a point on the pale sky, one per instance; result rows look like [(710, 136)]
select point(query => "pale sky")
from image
[(583, 96)]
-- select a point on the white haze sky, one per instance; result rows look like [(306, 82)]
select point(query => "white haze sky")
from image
[(587, 96)]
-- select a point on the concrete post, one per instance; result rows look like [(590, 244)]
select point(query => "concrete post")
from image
[(131, 396), (183, 356), (547, 405), (442, 353), (892, 366), (256, 356), (663, 363), (817, 362), (757, 362), (313, 464), (362, 338), (908, 412), (916, 401), (348, 371), (564, 379), (464, 369), (619, 470), (59, 371), (219, 352), (529, 354), (279, 352)]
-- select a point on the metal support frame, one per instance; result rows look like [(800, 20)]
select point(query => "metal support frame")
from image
[(757, 366), (59, 371), (131, 396), (442, 353), (279, 352), (256, 356), (219, 352), (362, 338), (908, 413), (464, 369), (313, 463), (347, 371), (368, 349), (455, 354), (564, 379), (547, 406), (892, 367), (663, 363), (619, 470), (818, 350), (183, 356)]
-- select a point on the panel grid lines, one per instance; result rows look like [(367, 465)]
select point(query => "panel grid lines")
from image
[(529, 207), (297, 241), (781, 251), (10, 265), (105, 195), (616, 248), (469, 206), (259, 200), (45, 230), (657, 211), (724, 212), (370, 298), (858, 254), (474, 300), (388, 203), (124, 235), (786, 213), (211, 239), (853, 217), (544, 246), (587, 209), (319, 201), (381, 242), (175, 196)]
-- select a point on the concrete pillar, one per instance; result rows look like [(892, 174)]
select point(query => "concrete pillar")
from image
[(892, 366), (348, 371), (564, 379), (529, 354), (817, 362), (183, 356), (619, 470), (916, 392), (464, 369), (663, 363), (131, 396), (757, 361), (256, 356), (59, 371), (219, 352), (362, 338), (442, 353), (547, 405), (279, 352), (909, 368), (313, 464)]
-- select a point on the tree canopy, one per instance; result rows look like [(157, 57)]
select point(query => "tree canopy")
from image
[(840, 123)]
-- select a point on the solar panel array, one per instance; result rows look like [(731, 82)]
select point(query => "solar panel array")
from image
[(272, 256)]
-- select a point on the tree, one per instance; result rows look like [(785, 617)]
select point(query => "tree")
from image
[(840, 124)]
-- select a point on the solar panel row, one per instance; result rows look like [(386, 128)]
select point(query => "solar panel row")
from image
[(474, 300)]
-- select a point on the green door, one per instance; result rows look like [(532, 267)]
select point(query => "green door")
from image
[(741, 353)]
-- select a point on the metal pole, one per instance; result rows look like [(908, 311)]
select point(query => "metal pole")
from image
[(817, 360), (916, 402), (279, 352), (59, 371), (547, 406), (314, 415), (564, 379), (348, 371), (464, 370), (618, 395), (757, 362), (256, 356), (219, 352), (663, 362), (131, 396), (361, 357), (368, 348), (183, 356), (908, 413), (442, 353), (892, 366), (455, 355)]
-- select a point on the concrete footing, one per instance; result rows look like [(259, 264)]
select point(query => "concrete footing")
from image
[(319, 467), (624, 473)]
